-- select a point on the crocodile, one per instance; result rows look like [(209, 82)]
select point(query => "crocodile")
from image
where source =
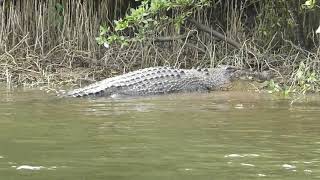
[(165, 80)]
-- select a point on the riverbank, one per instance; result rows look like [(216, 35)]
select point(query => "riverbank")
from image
[(294, 72), (54, 44)]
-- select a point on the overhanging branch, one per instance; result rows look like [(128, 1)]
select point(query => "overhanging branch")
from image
[(220, 36)]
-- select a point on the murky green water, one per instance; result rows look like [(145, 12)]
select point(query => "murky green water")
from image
[(224, 135)]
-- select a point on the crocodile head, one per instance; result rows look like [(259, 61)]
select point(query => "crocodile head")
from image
[(221, 78)]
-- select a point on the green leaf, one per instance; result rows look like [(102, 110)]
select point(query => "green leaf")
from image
[(59, 7), (101, 39), (103, 30), (309, 4)]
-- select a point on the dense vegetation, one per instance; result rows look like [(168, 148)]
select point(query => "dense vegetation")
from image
[(54, 43)]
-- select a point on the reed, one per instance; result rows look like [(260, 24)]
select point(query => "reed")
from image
[(42, 41)]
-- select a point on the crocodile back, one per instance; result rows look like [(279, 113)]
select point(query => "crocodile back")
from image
[(157, 80)]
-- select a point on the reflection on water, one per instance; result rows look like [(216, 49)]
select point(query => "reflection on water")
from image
[(222, 135)]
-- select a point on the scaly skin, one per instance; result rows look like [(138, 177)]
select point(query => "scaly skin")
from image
[(162, 80)]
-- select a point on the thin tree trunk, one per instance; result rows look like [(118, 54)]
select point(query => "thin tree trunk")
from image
[(293, 7)]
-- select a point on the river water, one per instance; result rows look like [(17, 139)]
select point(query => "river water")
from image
[(221, 135)]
